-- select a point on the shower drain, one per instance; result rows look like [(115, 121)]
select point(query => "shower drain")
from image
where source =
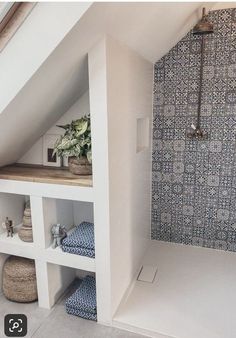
[(147, 273)]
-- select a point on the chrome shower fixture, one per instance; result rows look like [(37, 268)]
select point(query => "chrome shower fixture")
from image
[(197, 133), (202, 28)]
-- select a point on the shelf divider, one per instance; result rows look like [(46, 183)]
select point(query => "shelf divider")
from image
[(42, 284)]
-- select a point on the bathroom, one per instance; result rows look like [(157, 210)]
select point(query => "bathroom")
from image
[(161, 97)]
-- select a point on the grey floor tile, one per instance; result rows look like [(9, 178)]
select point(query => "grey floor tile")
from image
[(57, 323), (35, 314)]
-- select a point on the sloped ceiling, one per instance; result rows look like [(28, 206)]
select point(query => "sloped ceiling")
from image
[(34, 41), (149, 28)]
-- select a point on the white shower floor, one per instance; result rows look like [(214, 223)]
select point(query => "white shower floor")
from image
[(193, 295)]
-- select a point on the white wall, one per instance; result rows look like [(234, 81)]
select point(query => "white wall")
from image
[(223, 5), (99, 128), (129, 83), (80, 108), (120, 93)]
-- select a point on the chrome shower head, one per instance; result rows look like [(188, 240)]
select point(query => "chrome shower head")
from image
[(203, 26)]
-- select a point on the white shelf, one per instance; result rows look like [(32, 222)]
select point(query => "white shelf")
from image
[(15, 246), (57, 256), (58, 191)]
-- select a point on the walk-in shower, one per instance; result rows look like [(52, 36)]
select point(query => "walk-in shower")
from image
[(202, 28)]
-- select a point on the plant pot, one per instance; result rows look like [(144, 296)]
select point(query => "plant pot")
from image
[(79, 166)]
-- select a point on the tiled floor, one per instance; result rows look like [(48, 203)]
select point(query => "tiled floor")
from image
[(56, 323)]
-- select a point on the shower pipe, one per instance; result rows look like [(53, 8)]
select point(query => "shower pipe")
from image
[(202, 28)]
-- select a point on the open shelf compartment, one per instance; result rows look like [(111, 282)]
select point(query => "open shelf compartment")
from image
[(59, 280), (18, 284), (12, 206), (68, 213)]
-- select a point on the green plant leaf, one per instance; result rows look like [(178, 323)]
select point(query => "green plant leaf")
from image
[(66, 127), (81, 128), (67, 143), (76, 140)]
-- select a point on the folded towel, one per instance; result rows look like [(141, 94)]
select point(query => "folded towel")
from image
[(80, 313), (79, 251), (84, 298), (81, 237)]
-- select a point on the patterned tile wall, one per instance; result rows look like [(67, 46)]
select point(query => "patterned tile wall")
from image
[(194, 182)]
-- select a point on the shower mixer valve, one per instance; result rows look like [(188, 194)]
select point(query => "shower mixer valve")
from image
[(196, 132)]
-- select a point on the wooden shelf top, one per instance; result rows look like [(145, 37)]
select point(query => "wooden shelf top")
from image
[(42, 174)]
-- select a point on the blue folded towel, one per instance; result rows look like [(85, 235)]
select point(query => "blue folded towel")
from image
[(83, 301), (81, 314), (81, 237), (79, 251)]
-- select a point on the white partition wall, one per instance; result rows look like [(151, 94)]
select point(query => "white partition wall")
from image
[(99, 126), (129, 119), (120, 84)]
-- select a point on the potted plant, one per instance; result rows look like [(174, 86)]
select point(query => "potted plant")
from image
[(76, 144)]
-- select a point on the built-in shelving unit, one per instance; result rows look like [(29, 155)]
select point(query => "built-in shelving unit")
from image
[(56, 196)]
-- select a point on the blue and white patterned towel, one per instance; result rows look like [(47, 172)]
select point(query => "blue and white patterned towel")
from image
[(81, 237), (83, 301), (79, 251), (82, 314)]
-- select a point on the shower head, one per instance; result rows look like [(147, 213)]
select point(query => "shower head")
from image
[(203, 26)]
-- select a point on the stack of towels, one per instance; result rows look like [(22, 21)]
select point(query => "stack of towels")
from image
[(82, 303), (80, 241)]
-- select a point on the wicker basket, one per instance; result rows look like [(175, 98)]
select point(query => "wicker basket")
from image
[(79, 166), (19, 280)]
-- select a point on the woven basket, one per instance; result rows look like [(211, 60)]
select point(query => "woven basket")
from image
[(19, 280), (79, 166)]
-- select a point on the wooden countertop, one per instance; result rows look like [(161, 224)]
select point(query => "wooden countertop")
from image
[(41, 174)]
